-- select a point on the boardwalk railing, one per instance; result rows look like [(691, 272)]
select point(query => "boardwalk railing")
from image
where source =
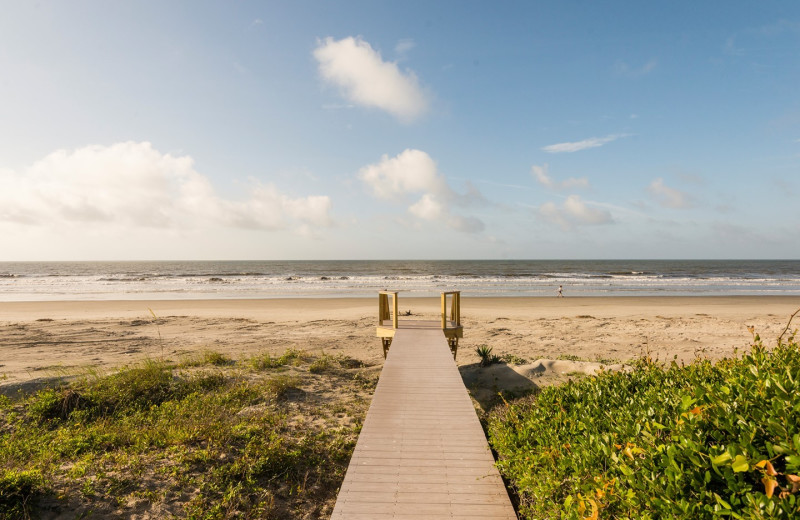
[(389, 322)]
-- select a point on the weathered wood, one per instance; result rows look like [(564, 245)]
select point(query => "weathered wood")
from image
[(422, 453)]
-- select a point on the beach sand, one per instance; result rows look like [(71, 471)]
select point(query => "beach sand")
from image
[(43, 341)]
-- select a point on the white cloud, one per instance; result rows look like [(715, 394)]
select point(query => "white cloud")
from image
[(592, 142), (627, 70), (427, 208), (540, 173), (414, 172), (409, 172), (403, 47), (669, 197), (574, 212), (364, 78), (132, 185)]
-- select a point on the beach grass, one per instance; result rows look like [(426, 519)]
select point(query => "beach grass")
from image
[(215, 438), (703, 440)]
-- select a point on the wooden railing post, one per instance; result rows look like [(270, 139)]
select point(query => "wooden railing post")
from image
[(394, 316), (455, 310), (444, 310)]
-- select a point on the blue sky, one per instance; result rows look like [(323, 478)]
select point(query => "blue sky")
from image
[(325, 130)]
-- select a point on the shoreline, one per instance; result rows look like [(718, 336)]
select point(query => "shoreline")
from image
[(334, 307)]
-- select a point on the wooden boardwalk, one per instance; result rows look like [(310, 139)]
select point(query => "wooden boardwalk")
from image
[(422, 453)]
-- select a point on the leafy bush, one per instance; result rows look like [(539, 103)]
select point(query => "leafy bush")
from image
[(55, 404), (697, 441), (16, 490)]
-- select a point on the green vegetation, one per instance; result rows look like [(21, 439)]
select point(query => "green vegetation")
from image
[(511, 359), (212, 439), (704, 440), (487, 358), (290, 357)]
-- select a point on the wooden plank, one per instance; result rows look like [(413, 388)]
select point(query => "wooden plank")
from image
[(422, 452)]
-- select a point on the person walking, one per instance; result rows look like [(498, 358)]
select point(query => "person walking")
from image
[(560, 291)]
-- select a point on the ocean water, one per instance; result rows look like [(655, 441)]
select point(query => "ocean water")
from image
[(36, 281)]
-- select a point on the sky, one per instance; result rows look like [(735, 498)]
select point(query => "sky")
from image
[(334, 129)]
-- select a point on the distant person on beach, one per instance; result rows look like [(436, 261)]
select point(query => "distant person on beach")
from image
[(560, 291)]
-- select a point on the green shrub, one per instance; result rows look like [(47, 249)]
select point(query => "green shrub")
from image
[(697, 441), (56, 404), (281, 385), (325, 363), (216, 358), (320, 365), (289, 357), (513, 360), (136, 388), (17, 488), (487, 358)]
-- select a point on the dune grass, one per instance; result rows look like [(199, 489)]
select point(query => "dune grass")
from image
[(700, 441), (215, 438)]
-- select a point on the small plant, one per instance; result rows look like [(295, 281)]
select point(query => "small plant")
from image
[(608, 361), (487, 358), (320, 365), (16, 490), (216, 358), (289, 357), (281, 385), (55, 404), (514, 360)]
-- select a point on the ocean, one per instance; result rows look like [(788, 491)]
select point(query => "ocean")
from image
[(38, 281)]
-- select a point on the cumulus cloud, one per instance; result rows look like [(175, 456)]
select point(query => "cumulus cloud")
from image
[(366, 79), (540, 173), (133, 185), (410, 171), (592, 142), (574, 212), (669, 197), (414, 172)]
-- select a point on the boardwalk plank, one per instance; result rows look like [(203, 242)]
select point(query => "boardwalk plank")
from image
[(422, 453)]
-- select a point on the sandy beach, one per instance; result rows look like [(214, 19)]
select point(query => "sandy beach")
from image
[(44, 340)]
